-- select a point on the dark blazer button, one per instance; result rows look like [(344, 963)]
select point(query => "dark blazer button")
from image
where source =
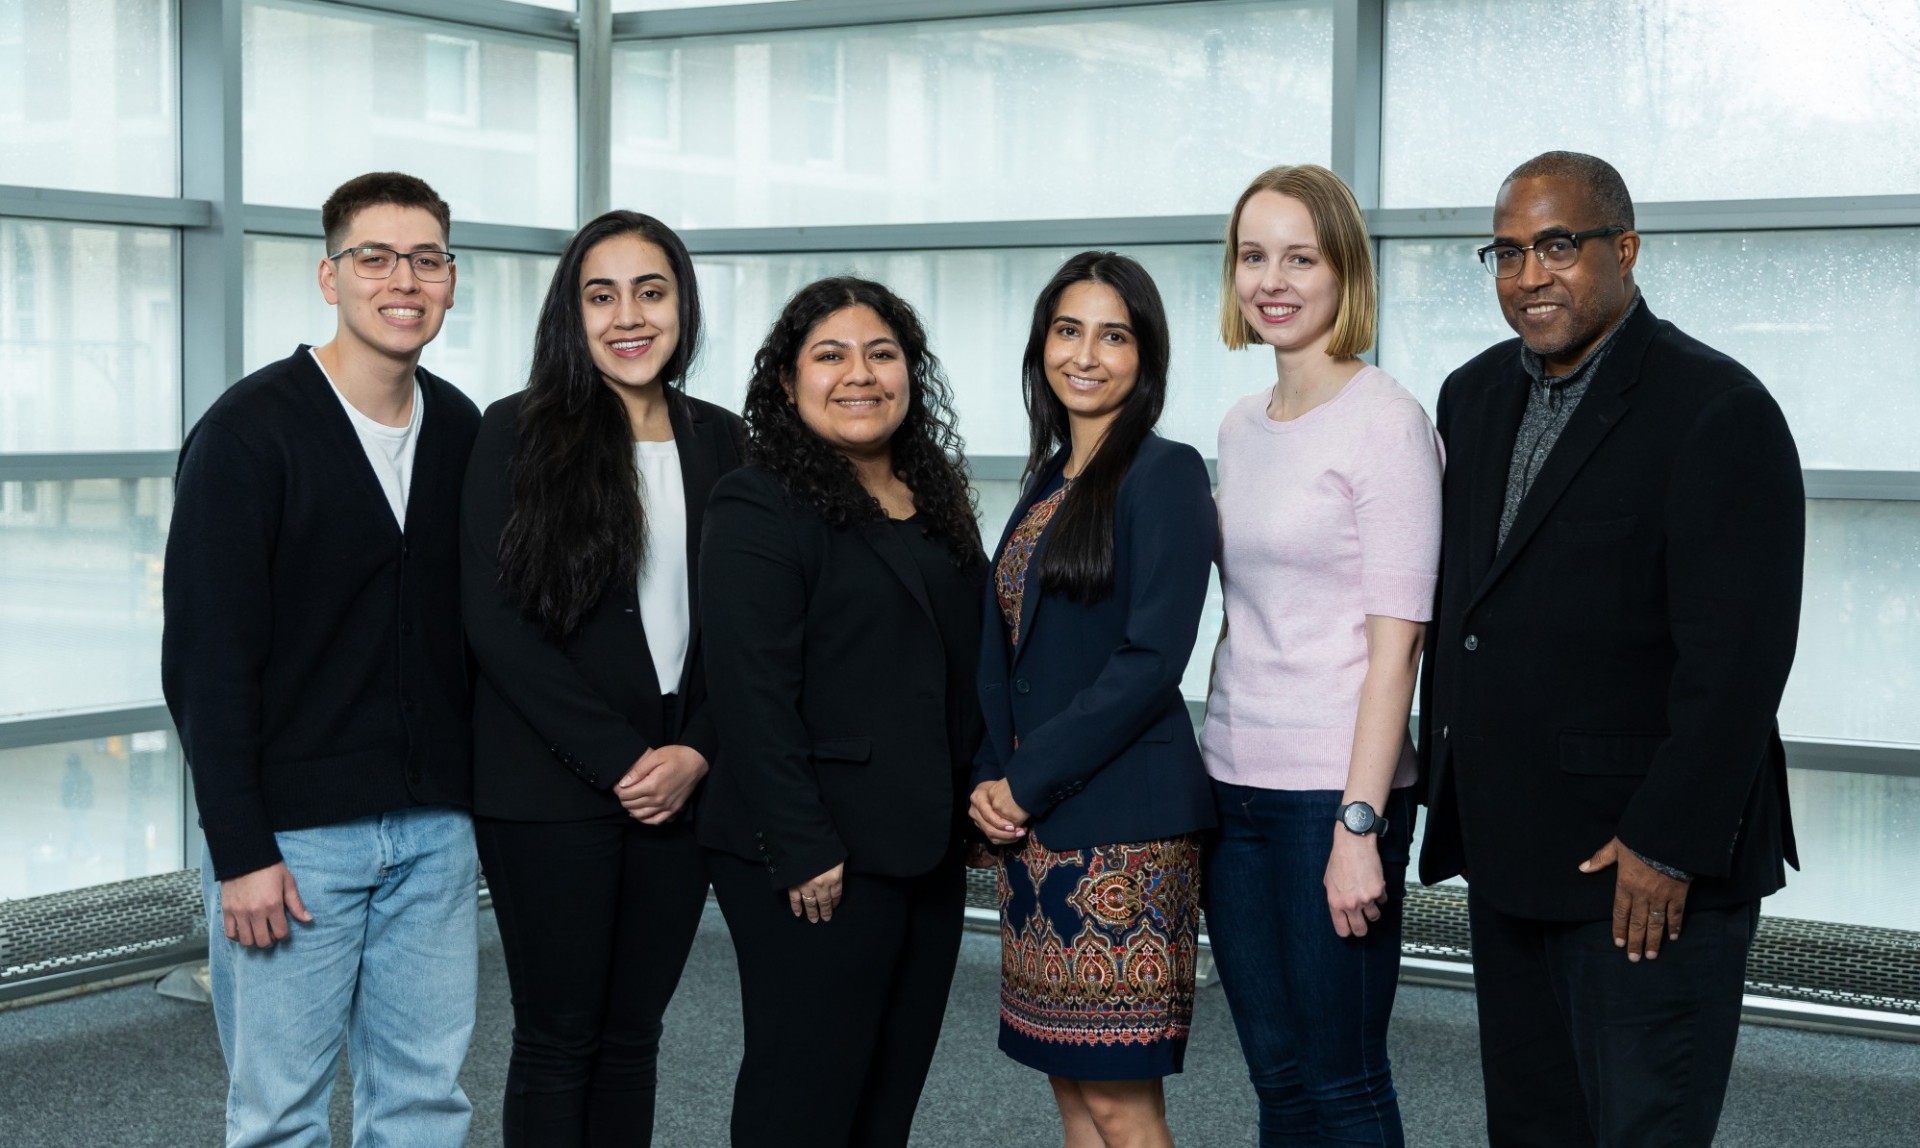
[(1444, 730), (593, 779), (1472, 643), (1020, 685)]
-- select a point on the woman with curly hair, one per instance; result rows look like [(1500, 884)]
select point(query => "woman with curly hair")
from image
[(579, 524), (1089, 777), (841, 573)]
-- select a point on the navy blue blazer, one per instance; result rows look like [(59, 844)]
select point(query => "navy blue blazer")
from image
[(1106, 749)]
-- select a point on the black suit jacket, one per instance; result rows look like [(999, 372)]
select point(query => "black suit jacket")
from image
[(1615, 669), (1106, 750), (828, 679), (556, 726)]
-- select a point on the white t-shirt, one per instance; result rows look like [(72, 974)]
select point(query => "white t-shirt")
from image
[(389, 449), (664, 607)]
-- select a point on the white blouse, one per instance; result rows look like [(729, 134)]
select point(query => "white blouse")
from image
[(664, 605)]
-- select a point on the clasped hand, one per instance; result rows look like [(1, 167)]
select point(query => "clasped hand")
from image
[(996, 813), (1356, 883), (658, 784), (1647, 904)]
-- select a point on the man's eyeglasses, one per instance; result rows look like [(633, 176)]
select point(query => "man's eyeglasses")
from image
[(1555, 252), (379, 262)]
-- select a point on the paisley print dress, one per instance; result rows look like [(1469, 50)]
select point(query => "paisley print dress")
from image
[(1097, 945)]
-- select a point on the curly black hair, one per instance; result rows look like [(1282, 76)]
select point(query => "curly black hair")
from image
[(928, 454)]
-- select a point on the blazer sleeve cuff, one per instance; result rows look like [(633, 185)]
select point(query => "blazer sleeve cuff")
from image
[(797, 865)]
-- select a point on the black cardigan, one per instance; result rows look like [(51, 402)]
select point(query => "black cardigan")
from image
[(556, 726), (829, 681), (312, 657)]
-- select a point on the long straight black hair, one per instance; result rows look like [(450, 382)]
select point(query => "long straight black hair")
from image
[(578, 526), (1078, 560)]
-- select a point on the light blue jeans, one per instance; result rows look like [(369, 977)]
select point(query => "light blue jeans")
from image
[(389, 965)]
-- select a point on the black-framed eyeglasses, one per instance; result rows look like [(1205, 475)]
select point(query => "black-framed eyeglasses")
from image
[(1555, 252), (379, 262)]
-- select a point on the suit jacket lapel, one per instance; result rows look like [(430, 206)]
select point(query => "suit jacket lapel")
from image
[(1600, 410), (886, 541), (1501, 408), (698, 473), (1030, 596)]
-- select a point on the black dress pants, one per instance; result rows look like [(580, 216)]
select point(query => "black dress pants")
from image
[(1581, 1047), (596, 918), (842, 1016)]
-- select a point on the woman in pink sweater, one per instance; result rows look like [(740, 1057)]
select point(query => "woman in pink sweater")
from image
[(1329, 500)]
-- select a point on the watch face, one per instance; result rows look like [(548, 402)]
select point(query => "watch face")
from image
[(1358, 817)]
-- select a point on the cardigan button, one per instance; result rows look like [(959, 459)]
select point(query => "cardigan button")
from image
[(1020, 685), (1472, 643)]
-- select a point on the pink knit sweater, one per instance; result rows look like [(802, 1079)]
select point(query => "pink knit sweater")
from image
[(1324, 519)]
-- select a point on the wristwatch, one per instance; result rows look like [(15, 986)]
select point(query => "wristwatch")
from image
[(1359, 818)]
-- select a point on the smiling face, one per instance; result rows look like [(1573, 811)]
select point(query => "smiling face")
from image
[(851, 385), (1288, 292), (399, 315), (1561, 315), (630, 307), (1092, 355)]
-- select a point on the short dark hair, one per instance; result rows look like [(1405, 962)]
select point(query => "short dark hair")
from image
[(1599, 177), (374, 188)]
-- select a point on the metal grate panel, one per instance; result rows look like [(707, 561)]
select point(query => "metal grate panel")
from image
[(100, 926), (1817, 962)]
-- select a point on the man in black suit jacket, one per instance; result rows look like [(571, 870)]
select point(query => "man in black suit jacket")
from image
[(1623, 526)]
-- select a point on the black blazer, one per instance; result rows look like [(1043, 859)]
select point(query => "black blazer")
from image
[(828, 678), (1106, 749), (556, 727), (1615, 669)]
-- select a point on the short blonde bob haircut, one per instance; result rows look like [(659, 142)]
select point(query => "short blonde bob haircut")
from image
[(1342, 234)]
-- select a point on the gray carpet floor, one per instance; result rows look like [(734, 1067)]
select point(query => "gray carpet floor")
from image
[(128, 1067)]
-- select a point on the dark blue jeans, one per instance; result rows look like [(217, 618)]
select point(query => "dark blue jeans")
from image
[(1311, 1007)]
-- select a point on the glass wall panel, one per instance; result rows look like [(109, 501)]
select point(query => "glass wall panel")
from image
[(88, 812), (80, 566), (89, 337), (331, 92), (1824, 318), (89, 95), (1690, 99), (1137, 111), (1857, 671), (978, 307), (663, 5), (1859, 839), (484, 348)]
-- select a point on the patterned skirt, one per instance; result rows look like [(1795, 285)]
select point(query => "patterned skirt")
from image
[(1096, 957)]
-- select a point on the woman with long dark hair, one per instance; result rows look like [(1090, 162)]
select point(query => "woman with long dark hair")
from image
[(1089, 777), (842, 573), (580, 523)]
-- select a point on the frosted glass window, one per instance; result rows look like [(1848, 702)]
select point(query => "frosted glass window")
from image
[(80, 565), (89, 95), (486, 118), (1824, 318), (977, 306), (88, 812), (666, 5), (89, 337), (1859, 839), (1139, 111), (1856, 674), (1690, 99), (484, 348)]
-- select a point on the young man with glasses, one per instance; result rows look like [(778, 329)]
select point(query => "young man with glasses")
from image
[(314, 665), (1623, 526)]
